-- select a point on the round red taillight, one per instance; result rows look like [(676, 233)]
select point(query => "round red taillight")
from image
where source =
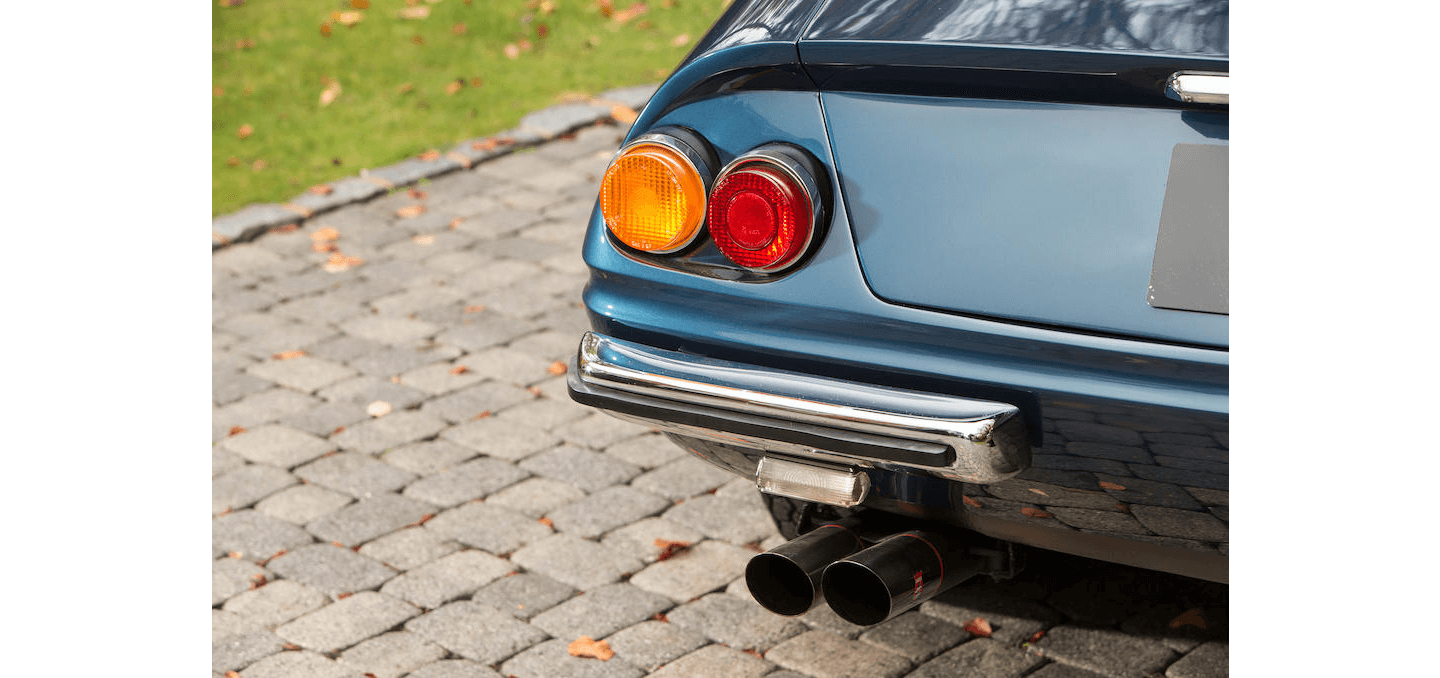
[(760, 216)]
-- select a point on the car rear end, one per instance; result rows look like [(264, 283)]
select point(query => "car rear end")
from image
[(1010, 312)]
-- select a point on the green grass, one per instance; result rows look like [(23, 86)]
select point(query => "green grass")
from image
[(275, 85)]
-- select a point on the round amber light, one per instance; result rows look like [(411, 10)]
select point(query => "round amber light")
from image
[(653, 199)]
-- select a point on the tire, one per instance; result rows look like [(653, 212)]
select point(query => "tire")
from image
[(794, 517)]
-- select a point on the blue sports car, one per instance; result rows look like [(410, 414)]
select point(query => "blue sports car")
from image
[(946, 278)]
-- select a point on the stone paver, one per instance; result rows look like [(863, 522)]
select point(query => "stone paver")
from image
[(496, 520)]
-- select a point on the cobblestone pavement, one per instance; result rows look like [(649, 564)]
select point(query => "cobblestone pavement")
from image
[(485, 521)]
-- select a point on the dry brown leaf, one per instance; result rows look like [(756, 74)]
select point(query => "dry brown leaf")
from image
[(346, 18), (236, 430), (547, 522), (585, 646), (325, 30), (287, 228), (1190, 617), (680, 40), (231, 3), (455, 223), (219, 91), (429, 155), (458, 29), (660, 617), (753, 653), (670, 549), (417, 39), (525, 45), (330, 93), (415, 12), (257, 580), (322, 189), (1035, 513), (423, 519), (547, 7), (286, 355), (1039, 492), (324, 234), (630, 13), (235, 555), (607, 8), (476, 82), (343, 596), (1111, 486), (486, 145), (339, 262), (556, 367), (245, 131), (410, 211), (459, 370), (322, 246), (290, 646), (623, 114), (244, 44), (259, 165), (360, 4), (454, 87), (979, 627), (1035, 638), (542, 30), (417, 193), (970, 501), (424, 240), (482, 415), (230, 674), (511, 51), (535, 391), (475, 309), (233, 161), (405, 88), (338, 430), (378, 408)]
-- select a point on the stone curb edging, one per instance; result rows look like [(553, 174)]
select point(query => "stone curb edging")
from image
[(535, 129)]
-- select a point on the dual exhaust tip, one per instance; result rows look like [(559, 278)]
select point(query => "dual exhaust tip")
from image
[(864, 586)]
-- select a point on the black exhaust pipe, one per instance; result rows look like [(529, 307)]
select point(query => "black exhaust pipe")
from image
[(786, 579), (896, 574)]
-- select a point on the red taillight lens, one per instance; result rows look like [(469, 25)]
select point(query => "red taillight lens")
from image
[(760, 217)]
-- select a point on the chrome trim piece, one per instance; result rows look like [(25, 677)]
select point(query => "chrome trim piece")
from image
[(690, 147), (988, 439), (1199, 87), (783, 158)]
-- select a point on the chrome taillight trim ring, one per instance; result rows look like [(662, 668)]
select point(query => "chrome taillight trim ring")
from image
[(695, 151), (789, 162)]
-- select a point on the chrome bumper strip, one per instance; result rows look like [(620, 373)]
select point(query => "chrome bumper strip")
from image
[(973, 441)]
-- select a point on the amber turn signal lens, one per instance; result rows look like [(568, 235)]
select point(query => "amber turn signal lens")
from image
[(653, 199)]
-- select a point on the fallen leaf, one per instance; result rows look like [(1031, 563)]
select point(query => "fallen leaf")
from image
[(417, 193), (259, 165), (405, 88), (585, 646), (346, 18), (337, 543), (547, 7), (231, 3), (339, 262), (486, 145), (670, 549), (512, 52), (219, 91), (535, 390), (1190, 617), (360, 4), (236, 430), (322, 189), (556, 367), (1036, 637), (286, 355), (458, 29), (455, 223), (429, 155), (524, 45), (1035, 513), (330, 93), (459, 370), (325, 30), (290, 646), (630, 13), (244, 44), (324, 234), (979, 627), (287, 228), (230, 674), (623, 114), (235, 555), (547, 522), (607, 8), (476, 82), (423, 519), (233, 161), (1039, 492), (970, 501), (645, 25), (322, 246), (753, 652), (257, 580), (245, 131), (417, 39), (1111, 486), (660, 617), (338, 430), (410, 211), (542, 30), (415, 12), (424, 240), (475, 309), (343, 596), (680, 40), (378, 408), (482, 415)]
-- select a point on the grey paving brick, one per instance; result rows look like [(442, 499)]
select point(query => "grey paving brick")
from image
[(347, 621), (1099, 433), (465, 404), (330, 569), (1104, 651), (254, 536), (822, 618), (242, 649), (253, 324), (448, 578), (501, 273), (431, 456), (327, 419), (276, 602), (355, 474), (265, 406), (305, 373), (552, 344), (249, 257), (552, 659), (367, 389), (297, 665), (391, 655), (535, 497), (1125, 453), (1183, 477), (417, 299), (467, 481), (739, 623), (571, 560), (440, 378), (600, 612), (1012, 620), (704, 567), (682, 478), (475, 631), (1086, 519), (652, 644), (229, 387), (401, 359), (223, 624), (484, 331), (523, 595), (545, 413), (345, 348), (500, 438), (454, 668), (1063, 671), (737, 522), (319, 308), (598, 431), (979, 658), (222, 461), (716, 661), (492, 528), (742, 490), (589, 471), (391, 430), (246, 485), (294, 336), (1032, 492), (507, 366), (915, 636), (302, 504), (606, 510), (1211, 660), (1177, 523), (277, 445), (389, 329), (647, 452), (369, 518), (230, 577), (638, 538), (825, 655), (409, 548)]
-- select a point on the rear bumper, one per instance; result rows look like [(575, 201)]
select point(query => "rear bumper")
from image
[(827, 420)]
